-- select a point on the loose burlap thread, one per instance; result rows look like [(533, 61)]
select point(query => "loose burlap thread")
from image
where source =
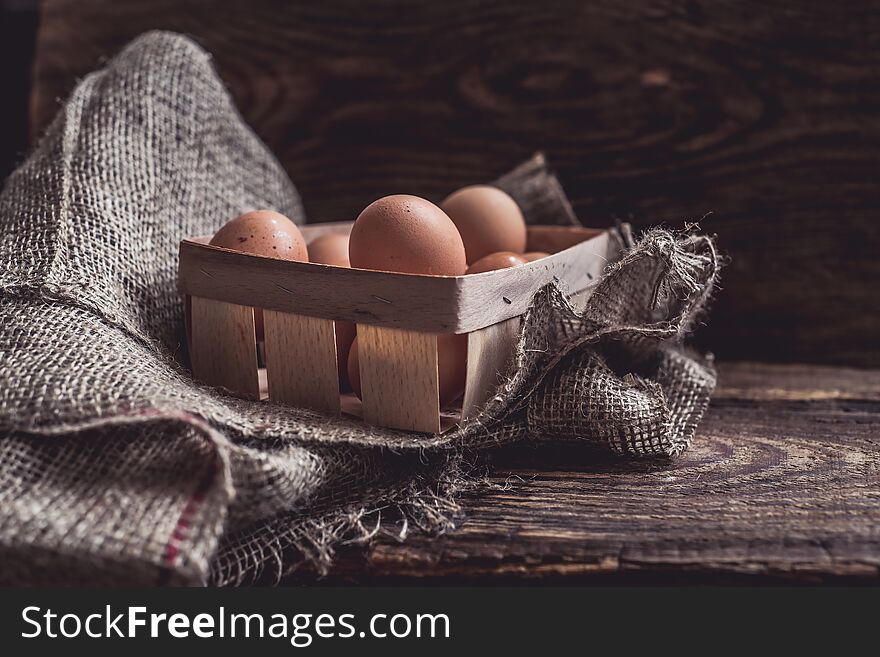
[(116, 468)]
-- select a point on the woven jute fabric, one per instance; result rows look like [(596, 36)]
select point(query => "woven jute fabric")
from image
[(116, 468)]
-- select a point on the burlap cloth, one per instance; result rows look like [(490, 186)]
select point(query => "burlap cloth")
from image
[(116, 468)]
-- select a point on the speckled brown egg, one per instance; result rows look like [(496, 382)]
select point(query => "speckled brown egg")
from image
[(488, 219), (330, 249), (493, 261), (404, 233), (451, 367), (531, 256), (265, 233)]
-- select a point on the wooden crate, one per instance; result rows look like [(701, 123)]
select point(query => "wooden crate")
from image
[(398, 317)]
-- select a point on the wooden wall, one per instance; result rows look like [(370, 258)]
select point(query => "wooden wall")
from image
[(18, 28), (760, 120)]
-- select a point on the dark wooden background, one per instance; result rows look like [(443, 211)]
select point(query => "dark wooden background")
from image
[(18, 26), (764, 114)]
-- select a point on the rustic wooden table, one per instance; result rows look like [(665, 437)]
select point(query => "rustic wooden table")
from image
[(781, 484)]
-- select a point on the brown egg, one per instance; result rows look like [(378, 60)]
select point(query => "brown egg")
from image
[(531, 256), (408, 234), (451, 367), (493, 261), (346, 334), (266, 233), (330, 249), (354, 368), (488, 219), (404, 233)]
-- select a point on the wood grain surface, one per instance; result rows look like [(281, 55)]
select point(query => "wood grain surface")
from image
[(399, 382), (757, 119), (490, 355), (781, 484), (437, 304), (301, 365), (224, 347)]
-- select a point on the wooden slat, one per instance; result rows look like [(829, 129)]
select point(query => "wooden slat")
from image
[(224, 347), (432, 304), (399, 382), (301, 361), (490, 356)]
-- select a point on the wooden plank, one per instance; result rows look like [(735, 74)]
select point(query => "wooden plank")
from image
[(491, 351), (224, 347), (765, 382), (651, 113), (507, 293), (432, 304), (301, 361), (399, 382), (780, 485)]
